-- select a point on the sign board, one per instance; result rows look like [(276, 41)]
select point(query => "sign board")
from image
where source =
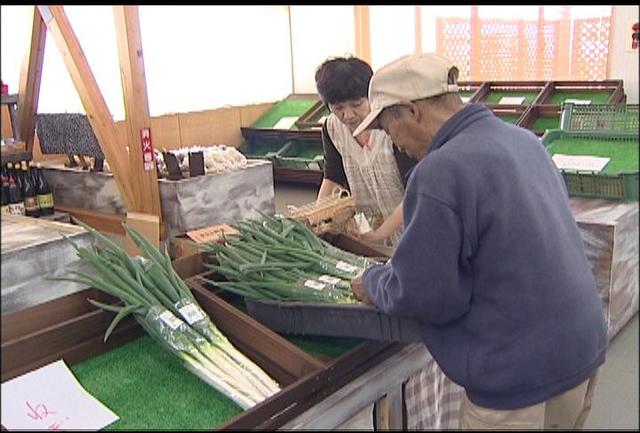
[(50, 398), (211, 233), (148, 157)]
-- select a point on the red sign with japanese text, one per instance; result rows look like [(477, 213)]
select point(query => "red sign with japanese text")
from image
[(148, 158)]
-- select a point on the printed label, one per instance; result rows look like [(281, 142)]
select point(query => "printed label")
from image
[(17, 209), (192, 313), (316, 285), (172, 321), (45, 200), (31, 204), (329, 279), (347, 267)]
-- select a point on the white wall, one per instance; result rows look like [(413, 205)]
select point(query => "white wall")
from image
[(623, 64), (319, 32)]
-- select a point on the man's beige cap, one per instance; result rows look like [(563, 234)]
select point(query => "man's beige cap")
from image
[(409, 78)]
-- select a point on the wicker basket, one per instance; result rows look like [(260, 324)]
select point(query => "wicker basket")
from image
[(331, 213)]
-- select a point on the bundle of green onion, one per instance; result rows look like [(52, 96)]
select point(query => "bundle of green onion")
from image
[(152, 291), (281, 259)]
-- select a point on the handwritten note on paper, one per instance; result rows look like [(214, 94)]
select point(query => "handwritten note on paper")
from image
[(50, 398), (580, 163)]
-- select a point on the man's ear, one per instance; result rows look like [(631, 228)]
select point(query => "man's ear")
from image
[(414, 110)]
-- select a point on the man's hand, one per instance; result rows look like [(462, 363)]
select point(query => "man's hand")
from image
[(357, 286)]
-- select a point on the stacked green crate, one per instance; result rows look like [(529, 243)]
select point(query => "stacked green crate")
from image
[(619, 178), (301, 155), (265, 145)]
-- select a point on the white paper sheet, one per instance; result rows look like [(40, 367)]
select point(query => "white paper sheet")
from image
[(579, 162), (50, 398), (465, 99), (285, 122), (511, 100), (578, 101)]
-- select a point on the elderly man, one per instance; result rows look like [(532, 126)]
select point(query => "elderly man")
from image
[(491, 261)]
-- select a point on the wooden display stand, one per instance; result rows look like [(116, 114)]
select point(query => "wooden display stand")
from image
[(72, 329)]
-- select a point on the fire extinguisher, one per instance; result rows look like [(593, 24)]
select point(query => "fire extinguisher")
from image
[(635, 36)]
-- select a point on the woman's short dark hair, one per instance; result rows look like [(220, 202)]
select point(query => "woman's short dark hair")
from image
[(341, 79)]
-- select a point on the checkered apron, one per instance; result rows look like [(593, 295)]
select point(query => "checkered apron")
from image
[(432, 400), (372, 172)]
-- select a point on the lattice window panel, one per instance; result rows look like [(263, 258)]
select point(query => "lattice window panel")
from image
[(590, 49), (499, 52), (513, 50), (454, 43), (548, 66)]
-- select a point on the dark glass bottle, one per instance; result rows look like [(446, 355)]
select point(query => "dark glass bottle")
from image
[(5, 197), (29, 193), (16, 205), (45, 198)]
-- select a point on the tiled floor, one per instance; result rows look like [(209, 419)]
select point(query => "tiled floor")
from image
[(615, 404)]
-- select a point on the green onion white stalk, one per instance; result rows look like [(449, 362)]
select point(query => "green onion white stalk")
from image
[(154, 293)]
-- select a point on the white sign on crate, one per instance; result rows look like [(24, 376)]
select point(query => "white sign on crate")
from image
[(580, 163), (511, 100)]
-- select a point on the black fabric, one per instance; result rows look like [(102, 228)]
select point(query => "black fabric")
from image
[(67, 133), (334, 169)]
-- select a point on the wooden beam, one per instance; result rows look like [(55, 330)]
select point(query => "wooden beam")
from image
[(142, 174), (147, 225), (30, 78), (94, 104), (418, 28), (101, 221), (363, 33)]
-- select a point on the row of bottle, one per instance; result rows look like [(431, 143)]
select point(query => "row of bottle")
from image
[(25, 190)]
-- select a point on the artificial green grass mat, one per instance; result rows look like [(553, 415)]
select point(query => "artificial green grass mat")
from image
[(149, 389), (284, 108), (541, 124), (319, 346), (509, 119), (494, 96), (558, 97), (623, 153)]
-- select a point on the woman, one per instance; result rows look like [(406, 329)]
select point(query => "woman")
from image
[(371, 167)]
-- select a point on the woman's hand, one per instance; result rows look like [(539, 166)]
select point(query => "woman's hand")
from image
[(371, 236)]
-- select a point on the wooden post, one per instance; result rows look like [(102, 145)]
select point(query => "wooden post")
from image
[(30, 78), (363, 33), (142, 173), (148, 225), (92, 100), (418, 28)]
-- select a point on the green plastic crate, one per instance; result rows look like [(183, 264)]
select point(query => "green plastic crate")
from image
[(261, 149), (284, 108), (619, 179), (301, 155), (600, 117)]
